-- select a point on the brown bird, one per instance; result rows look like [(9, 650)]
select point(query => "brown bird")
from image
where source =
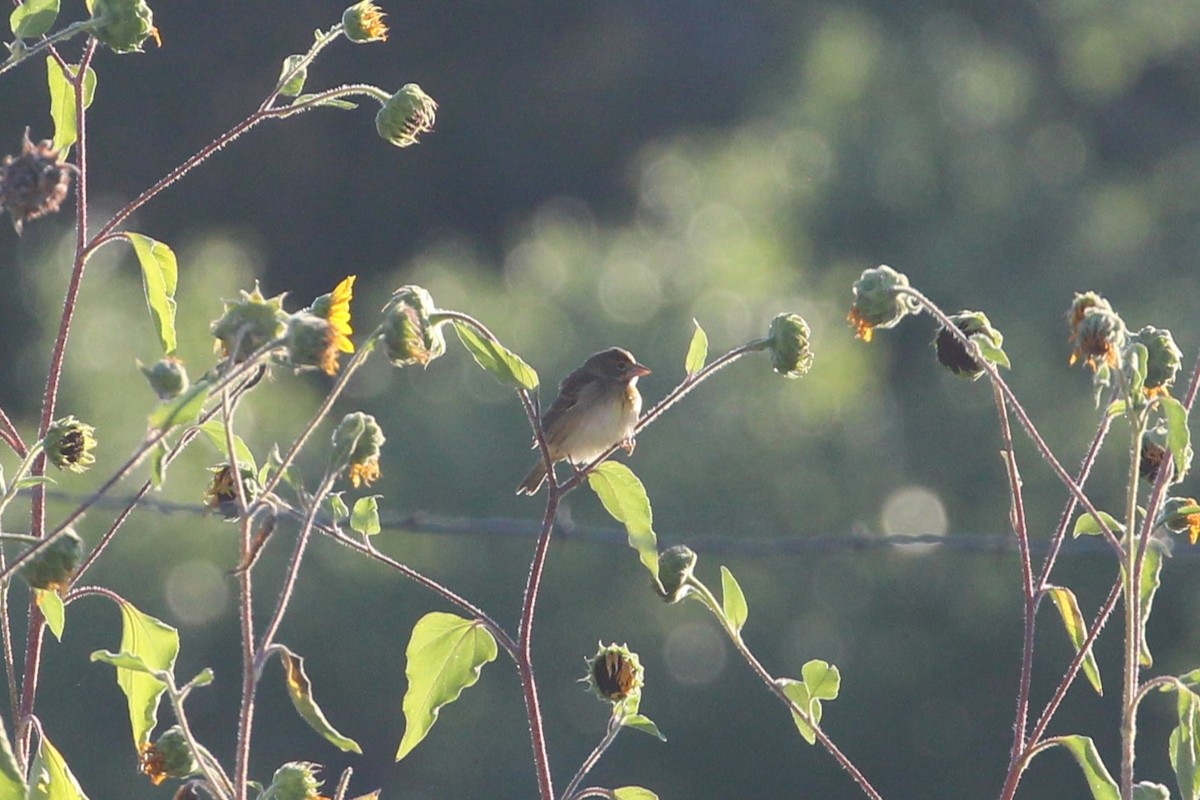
[(597, 406)]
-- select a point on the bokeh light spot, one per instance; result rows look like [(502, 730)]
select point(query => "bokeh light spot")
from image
[(695, 654), (913, 510), (196, 592)]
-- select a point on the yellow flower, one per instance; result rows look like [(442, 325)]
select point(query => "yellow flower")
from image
[(364, 472), (339, 314), (862, 328), (364, 23)]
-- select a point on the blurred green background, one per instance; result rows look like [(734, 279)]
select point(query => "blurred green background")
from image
[(602, 173)]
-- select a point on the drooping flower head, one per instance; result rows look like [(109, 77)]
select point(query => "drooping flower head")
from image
[(248, 324), (69, 444), (877, 303), (363, 23), (407, 114), (34, 183)]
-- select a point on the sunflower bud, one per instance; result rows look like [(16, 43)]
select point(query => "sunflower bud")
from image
[(408, 335), (69, 444), (1097, 331), (1181, 514), (877, 304), (55, 566), (169, 757), (168, 377), (221, 495), (363, 23), (953, 354), (1163, 357), (356, 444), (615, 673), (675, 565), (311, 343), (248, 324), (123, 25), (295, 780), (791, 355), (407, 114), (34, 183)]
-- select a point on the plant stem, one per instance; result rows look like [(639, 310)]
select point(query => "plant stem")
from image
[(1133, 628), (525, 646), (614, 727)]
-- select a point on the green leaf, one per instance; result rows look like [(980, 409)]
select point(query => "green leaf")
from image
[(33, 480), (158, 464), (496, 359), (640, 722), (50, 778), (989, 350), (798, 693), (1086, 524), (1179, 439), (733, 601), (1115, 409), (123, 660), (182, 410), (1151, 569), (1145, 790), (62, 103), (215, 431), (300, 690), (51, 604), (697, 352), (160, 276), (364, 518), (33, 18), (1183, 747), (444, 656), (12, 783), (1068, 609), (203, 678), (633, 793), (823, 679), (295, 85), (329, 102), (1098, 778), (155, 644), (336, 507), (624, 496)]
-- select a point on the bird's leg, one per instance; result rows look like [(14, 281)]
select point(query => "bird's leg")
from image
[(628, 444)]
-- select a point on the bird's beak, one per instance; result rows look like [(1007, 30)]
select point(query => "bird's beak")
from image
[(638, 370)]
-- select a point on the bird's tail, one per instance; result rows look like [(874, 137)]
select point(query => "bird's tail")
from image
[(534, 480)]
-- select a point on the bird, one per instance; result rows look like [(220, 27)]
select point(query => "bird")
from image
[(597, 407)]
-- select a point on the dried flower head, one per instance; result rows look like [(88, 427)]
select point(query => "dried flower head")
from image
[(789, 343), (408, 335), (1163, 358), (169, 757), (1180, 514), (363, 23), (222, 496), (34, 183), (407, 114), (356, 444), (953, 354), (54, 567), (69, 444), (615, 673), (877, 303)]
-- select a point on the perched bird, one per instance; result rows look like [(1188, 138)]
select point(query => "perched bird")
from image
[(597, 406)]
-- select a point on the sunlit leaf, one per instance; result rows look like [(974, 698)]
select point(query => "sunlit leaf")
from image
[(1183, 747), (158, 464), (1179, 439), (336, 507), (798, 693), (823, 679), (989, 350), (633, 793), (50, 778), (33, 480), (1151, 569), (182, 410), (215, 431), (62, 103), (155, 644), (1068, 609), (33, 18), (1099, 780), (295, 84), (364, 518), (1087, 525), (12, 783), (300, 690), (444, 656), (733, 601), (51, 604), (160, 276), (496, 358), (640, 722), (697, 352), (203, 678), (624, 496)]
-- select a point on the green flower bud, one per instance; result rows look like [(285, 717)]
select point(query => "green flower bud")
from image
[(248, 324), (34, 183), (54, 567), (363, 23), (1163, 357), (221, 494), (123, 25), (675, 566), (69, 444), (615, 673), (791, 355), (169, 757), (877, 304), (953, 354), (1181, 514), (408, 335), (407, 114), (357, 441), (295, 780), (168, 377)]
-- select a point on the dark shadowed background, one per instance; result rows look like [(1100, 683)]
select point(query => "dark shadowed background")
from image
[(602, 173)]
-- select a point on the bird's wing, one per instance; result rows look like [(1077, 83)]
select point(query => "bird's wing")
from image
[(568, 395)]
